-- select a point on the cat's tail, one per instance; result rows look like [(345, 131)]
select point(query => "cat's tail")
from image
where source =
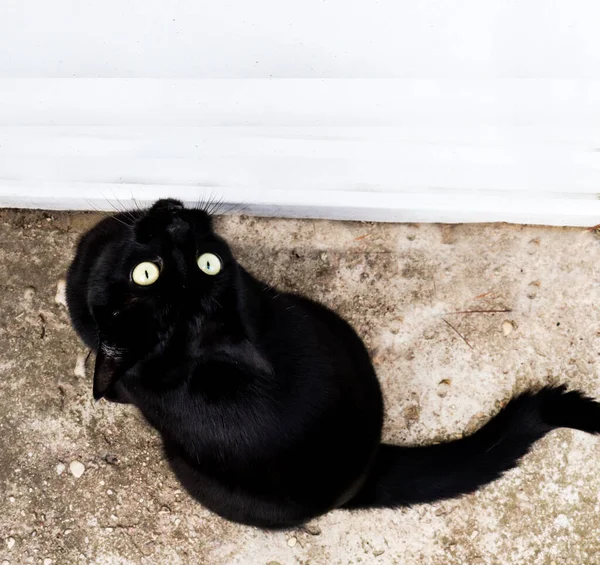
[(409, 475)]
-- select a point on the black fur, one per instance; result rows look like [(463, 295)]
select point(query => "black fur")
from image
[(268, 405)]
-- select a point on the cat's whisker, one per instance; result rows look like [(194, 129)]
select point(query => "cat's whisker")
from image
[(216, 207), (112, 205), (239, 208), (116, 219), (107, 214), (123, 210), (96, 209), (211, 204), (207, 199), (118, 202), (135, 202), (202, 202)]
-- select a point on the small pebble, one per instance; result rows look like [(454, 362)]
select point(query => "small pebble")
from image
[(61, 293), (60, 469), (11, 498), (429, 333), (312, 529), (79, 370), (111, 459), (5, 562), (507, 327), (47, 561), (292, 542), (10, 542), (77, 469), (444, 387), (29, 293), (533, 246)]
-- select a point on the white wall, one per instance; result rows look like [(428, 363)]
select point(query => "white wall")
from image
[(456, 111), (300, 39)]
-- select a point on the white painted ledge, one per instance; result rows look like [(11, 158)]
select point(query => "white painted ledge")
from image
[(337, 205), (515, 150)]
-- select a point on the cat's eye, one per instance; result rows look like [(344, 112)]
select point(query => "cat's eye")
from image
[(209, 264), (145, 273)]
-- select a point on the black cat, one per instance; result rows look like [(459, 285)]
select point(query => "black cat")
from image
[(268, 405)]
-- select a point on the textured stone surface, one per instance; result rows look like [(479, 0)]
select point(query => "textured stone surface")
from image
[(443, 374)]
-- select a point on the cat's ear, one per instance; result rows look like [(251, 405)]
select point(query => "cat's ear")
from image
[(110, 366)]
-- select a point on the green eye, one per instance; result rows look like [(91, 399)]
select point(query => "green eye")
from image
[(209, 264), (145, 273)]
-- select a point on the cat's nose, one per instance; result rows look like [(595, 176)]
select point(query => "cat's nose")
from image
[(169, 204), (179, 230)]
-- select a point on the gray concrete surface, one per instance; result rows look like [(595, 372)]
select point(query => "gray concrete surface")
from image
[(401, 286)]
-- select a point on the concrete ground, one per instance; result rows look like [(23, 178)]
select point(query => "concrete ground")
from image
[(84, 482)]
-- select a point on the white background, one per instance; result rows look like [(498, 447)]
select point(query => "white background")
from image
[(300, 39), (470, 110)]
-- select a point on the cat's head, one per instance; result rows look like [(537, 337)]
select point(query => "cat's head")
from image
[(140, 275)]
